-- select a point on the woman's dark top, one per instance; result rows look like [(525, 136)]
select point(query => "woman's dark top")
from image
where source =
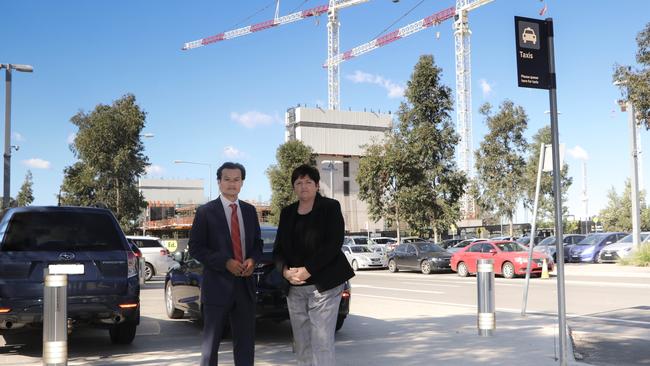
[(322, 232)]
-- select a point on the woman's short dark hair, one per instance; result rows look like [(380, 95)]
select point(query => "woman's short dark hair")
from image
[(231, 165), (305, 170)]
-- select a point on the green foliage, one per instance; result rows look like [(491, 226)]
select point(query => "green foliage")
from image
[(289, 156), (26, 195), (617, 215), (413, 174), (546, 204), (500, 163), (111, 159), (635, 83)]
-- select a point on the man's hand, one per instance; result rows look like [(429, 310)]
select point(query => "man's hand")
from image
[(248, 267), (235, 267), (302, 274)]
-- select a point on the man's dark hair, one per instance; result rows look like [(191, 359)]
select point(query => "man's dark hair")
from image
[(305, 170), (231, 165)]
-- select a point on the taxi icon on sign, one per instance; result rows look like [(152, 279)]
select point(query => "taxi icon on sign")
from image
[(529, 35)]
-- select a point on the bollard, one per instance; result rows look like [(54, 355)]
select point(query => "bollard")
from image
[(485, 282), (55, 320), (55, 312)]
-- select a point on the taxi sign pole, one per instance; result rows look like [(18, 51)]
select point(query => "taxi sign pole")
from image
[(557, 189)]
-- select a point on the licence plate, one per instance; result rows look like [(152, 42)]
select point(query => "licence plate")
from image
[(68, 268)]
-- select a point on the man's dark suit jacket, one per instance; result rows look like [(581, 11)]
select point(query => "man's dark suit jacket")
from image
[(210, 244), (324, 232)]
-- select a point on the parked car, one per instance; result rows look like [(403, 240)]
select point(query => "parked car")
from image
[(510, 259), (106, 294), (383, 240), (361, 256), (525, 240), (621, 249), (548, 244), (463, 244), (156, 255), (183, 286), (423, 256), (588, 249)]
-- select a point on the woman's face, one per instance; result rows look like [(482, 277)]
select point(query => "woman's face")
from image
[(305, 188)]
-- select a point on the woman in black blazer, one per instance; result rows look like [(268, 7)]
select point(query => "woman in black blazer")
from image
[(308, 254)]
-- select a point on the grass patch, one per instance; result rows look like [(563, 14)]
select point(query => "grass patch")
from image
[(640, 258)]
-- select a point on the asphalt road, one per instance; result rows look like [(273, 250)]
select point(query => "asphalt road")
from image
[(403, 318)]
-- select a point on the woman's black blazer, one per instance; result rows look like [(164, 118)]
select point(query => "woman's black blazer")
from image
[(324, 233)]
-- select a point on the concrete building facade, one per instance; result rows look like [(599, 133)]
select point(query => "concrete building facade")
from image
[(337, 138)]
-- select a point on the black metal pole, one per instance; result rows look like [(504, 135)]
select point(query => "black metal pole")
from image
[(557, 193)]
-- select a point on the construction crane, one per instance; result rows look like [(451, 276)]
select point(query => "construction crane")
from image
[(463, 76), (332, 9)]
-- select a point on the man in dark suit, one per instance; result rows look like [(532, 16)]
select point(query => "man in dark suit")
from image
[(225, 238)]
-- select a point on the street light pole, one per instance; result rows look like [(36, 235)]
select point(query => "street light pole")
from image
[(636, 219), (7, 151), (199, 163), (329, 165)]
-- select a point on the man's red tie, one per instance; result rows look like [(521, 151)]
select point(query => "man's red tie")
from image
[(234, 233)]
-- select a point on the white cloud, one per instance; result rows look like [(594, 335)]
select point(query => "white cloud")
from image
[(251, 119), (231, 152), (394, 90), (485, 87), (578, 153), (71, 138), (155, 170), (18, 137), (37, 163)]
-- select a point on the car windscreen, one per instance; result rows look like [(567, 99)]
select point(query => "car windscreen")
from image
[(511, 247), (361, 241), (630, 238), (61, 231), (548, 241), (268, 238), (360, 249), (591, 239), (429, 247)]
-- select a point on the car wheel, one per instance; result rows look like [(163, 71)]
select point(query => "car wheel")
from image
[(425, 266), (392, 266), (462, 269), (355, 265), (148, 271), (123, 333), (172, 312), (508, 270), (339, 322)]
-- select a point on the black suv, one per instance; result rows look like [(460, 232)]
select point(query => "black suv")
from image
[(183, 286), (107, 294)]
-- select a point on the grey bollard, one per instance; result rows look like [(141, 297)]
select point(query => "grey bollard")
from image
[(55, 320), (485, 283)]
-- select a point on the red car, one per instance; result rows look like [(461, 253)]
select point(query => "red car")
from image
[(510, 258)]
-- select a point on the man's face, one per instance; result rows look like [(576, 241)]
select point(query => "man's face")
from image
[(305, 188), (230, 183)]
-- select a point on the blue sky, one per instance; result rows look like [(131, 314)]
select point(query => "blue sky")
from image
[(226, 101)]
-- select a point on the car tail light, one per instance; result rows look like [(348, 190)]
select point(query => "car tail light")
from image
[(346, 294), (4, 310), (132, 261), (164, 252), (129, 306)]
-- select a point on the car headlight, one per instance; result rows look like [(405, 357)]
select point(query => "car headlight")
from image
[(627, 249)]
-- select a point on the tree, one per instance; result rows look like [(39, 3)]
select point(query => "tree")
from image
[(500, 162), (617, 215), (635, 83), (289, 156), (110, 160), (419, 162), (26, 195), (546, 203)]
